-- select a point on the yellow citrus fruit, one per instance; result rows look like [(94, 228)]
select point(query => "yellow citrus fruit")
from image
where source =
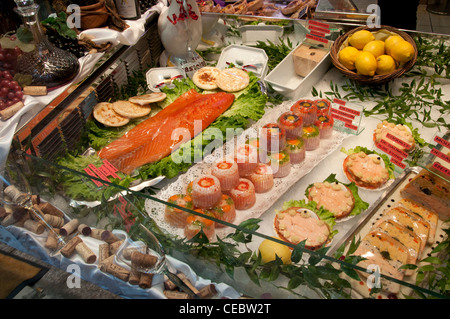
[(360, 38), (385, 64), (403, 51), (269, 249), (376, 47), (390, 42), (366, 64), (347, 57)]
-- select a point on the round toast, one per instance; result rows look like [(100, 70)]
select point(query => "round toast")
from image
[(105, 114), (131, 110), (232, 80), (146, 99), (205, 78)]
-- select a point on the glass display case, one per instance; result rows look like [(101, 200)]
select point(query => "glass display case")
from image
[(151, 232)]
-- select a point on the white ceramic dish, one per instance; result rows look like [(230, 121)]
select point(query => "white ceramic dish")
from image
[(248, 58), (284, 80), (158, 77), (251, 34)]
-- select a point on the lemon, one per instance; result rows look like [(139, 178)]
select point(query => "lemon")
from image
[(366, 64), (376, 47), (347, 57), (403, 51), (385, 64), (269, 249), (360, 38), (390, 42)]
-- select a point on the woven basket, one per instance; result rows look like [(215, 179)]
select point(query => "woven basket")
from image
[(94, 16), (376, 79)]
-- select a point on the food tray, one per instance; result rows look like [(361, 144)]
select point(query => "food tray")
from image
[(285, 81), (157, 76), (251, 34), (248, 58), (387, 200), (263, 201)]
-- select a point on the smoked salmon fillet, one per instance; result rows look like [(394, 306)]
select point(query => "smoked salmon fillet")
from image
[(152, 139)]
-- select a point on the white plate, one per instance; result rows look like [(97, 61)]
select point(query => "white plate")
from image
[(248, 58)]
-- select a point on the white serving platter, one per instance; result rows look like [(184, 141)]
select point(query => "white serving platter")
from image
[(285, 81), (157, 77)]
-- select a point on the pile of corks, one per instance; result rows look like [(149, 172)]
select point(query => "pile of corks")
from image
[(71, 230)]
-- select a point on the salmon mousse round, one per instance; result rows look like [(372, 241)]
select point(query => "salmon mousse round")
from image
[(334, 197), (365, 170), (297, 224), (244, 194), (174, 215), (227, 171), (206, 191)]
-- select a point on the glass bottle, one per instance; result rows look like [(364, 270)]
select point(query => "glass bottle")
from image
[(128, 9), (48, 65)]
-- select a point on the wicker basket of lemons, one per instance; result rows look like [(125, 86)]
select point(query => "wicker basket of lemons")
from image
[(374, 55)]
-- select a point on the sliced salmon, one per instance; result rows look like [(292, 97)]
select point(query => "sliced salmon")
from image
[(152, 139)]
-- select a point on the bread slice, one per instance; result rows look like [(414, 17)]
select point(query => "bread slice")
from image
[(232, 80), (131, 110), (205, 78), (426, 214), (149, 98), (105, 114)]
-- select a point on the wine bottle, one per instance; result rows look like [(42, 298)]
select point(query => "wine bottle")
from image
[(128, 9)]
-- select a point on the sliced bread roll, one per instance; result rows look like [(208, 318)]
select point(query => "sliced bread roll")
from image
[(105, 114), (149, 98), (205, 78), (131, 110), (232, 80)]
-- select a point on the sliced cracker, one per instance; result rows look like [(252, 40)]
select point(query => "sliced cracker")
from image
[(146, 99), (232, 80), (205, 78), (105, 114), (131, 110)]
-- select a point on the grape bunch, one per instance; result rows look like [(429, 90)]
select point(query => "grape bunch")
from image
[(67, 44), (10, 91), (8, 58)]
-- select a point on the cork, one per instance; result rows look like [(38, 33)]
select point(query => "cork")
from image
[(48, 208), (129, 250), (174, 294), (145, 281), (141, 260), (135, 277), (84, 229), (114, 247), (35, 199), (109, 260), (168, 284), (34, 226), (37, 211), (7, 113), (207, 292), (36, 90), (2, 212), (54, 221), (69, 248), (69, 227), (52, 240), (117, 271), (100, 234), (85, 252), (112, 238), (103, 252)]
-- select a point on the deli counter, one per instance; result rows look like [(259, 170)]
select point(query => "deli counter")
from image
[(353, 205)]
